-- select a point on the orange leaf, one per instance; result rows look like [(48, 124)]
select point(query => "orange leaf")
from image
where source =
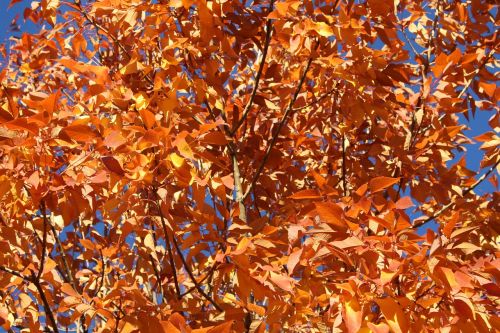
[(282, 281), (306, 194), (222, 328), (184, 148), (78, 132), (331, 213), (348, 242), (404, 203), (293, 260), (68, 290), (379, 328), (114, 139), (242, 246), (214, 138), (148, 118), (393, 314), (381, 183)]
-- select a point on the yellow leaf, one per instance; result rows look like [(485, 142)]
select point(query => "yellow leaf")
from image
[(132, 67), (386, 276), (141, 101), (323, 29), (177, 161), (149, 242), (184, 148), (242, 246)]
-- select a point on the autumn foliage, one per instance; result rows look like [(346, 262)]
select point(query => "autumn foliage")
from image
[(249, 166)]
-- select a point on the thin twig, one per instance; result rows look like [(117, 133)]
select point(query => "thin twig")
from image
[(344, 181), (319, 99), (157, 274), (191, 276), (452, 202), (169, 247), (15, 273), (115, 40), (207, 275), (103, 264), (259, 73), (44, 240), (280, 126), (63, 255)]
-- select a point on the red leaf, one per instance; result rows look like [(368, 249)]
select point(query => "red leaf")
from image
[(113, 165)]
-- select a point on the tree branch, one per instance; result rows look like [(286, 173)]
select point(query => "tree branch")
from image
[(451, 203), (169, 247), (280, 126), (46, 306), (207, 275), (63, 255), (15, 273), (98, 27), (44, 240), (191, 276), (259, 73)]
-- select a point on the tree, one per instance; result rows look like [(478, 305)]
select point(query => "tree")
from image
[(250, 166)]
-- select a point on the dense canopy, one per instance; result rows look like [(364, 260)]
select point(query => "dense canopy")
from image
[(250, 166)]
